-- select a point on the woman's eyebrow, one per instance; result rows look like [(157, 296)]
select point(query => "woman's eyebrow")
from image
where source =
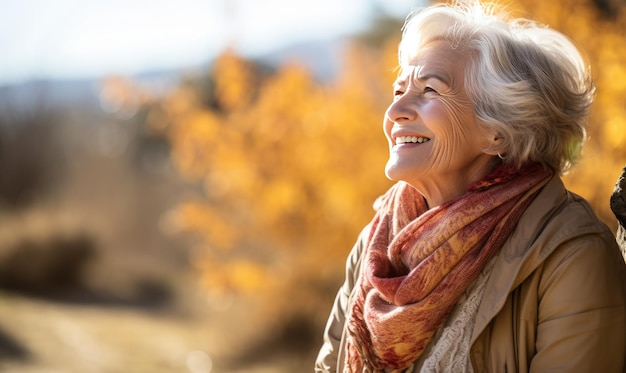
[(418, 75), (433, 75)]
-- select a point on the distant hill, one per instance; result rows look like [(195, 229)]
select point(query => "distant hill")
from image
[(49, 94), (322, 58)]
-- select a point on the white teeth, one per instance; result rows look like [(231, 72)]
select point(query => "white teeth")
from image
[(411, 139)]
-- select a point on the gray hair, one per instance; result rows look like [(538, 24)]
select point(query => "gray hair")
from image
[(528, 83)]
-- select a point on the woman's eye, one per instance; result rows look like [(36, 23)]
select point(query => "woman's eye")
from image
[(429, 90)]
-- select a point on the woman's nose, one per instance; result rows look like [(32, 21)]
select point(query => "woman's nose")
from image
[(402, 109)]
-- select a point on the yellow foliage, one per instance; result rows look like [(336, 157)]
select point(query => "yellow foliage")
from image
[(193, 139), (236, 82), (203, 219), (243, 276), (615, 132), (290, 168)]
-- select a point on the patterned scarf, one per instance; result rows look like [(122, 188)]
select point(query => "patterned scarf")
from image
[(420, 261)]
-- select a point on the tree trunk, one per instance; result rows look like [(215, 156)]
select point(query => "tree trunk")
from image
[(618, 205)]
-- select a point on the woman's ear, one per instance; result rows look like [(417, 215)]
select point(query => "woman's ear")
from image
[(494, 144), (496, 140)]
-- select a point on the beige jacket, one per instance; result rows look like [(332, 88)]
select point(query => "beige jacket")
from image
[(555, 301)]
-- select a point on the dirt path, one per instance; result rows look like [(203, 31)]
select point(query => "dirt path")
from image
[(69, 338), (77, 338)]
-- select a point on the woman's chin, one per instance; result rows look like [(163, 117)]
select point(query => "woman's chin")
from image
[(397, 171)]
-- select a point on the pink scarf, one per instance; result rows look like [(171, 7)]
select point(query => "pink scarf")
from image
[(419, 262)]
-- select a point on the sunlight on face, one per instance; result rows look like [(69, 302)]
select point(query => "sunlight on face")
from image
[(434, 138)]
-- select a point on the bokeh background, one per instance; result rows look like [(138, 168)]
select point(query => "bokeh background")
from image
[(180, 182)]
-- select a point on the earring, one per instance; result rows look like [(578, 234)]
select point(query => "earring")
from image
[(501, 156)]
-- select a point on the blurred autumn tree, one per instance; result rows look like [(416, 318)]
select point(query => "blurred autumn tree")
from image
[(289, 167)]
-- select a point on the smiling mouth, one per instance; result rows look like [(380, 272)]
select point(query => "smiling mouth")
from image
[(411, 140)]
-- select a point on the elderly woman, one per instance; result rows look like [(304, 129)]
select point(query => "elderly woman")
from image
[(478, 259)]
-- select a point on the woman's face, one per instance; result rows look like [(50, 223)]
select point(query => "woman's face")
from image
[(435, 142)]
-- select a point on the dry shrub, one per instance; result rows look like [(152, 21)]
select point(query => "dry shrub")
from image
[(31, 156), (10, 348), (43, 254)]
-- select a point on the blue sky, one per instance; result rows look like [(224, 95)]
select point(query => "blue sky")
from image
[(85, 38)]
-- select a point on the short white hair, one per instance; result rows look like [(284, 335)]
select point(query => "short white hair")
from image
[(527, 82)]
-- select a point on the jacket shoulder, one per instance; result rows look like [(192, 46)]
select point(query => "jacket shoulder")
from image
[(554, 217)]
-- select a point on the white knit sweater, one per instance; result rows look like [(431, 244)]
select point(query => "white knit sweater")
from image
[(448, 351)]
